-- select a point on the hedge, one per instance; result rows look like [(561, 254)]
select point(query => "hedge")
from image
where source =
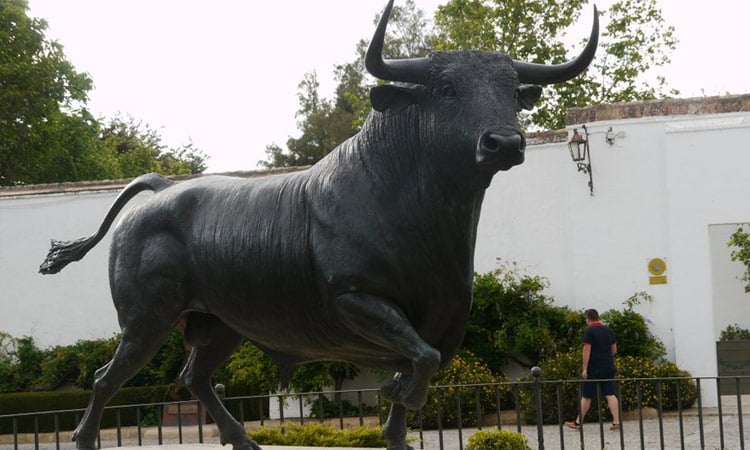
[(75, 401)]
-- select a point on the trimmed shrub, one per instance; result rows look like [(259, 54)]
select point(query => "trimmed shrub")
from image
[(318, 435), (630, 367), (637, 374), (26, 402), (497, 440), (688, 391), (565, 366), (734, 333)]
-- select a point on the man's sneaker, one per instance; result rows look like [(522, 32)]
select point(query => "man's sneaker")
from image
[(573, 424)]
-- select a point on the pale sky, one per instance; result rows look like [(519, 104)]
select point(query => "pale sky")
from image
[(224, 74)]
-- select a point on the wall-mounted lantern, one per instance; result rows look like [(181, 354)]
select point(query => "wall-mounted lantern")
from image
[(579, 152)]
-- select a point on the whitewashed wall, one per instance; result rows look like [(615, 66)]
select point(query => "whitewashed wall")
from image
[(658, 192), (63, 308), (672, 187)]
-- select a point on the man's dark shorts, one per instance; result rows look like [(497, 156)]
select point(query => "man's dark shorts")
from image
[(608, 387)]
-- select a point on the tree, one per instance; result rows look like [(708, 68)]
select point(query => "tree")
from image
[(635, 41), (511, 320), (46, 133), (37, 86), (250, 366), (324, 123), (132, 148), (740, 240)]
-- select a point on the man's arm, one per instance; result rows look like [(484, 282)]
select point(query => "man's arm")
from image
[(586, 356), (614, 348)]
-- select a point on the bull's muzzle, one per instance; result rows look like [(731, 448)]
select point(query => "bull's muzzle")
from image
[(504, 149)]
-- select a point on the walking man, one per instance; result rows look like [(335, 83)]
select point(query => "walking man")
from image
[(599, 349)]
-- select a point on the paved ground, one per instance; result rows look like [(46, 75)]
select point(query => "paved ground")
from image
[(667, 433)]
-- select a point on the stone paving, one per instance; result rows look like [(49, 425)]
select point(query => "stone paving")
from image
[(670, 432)]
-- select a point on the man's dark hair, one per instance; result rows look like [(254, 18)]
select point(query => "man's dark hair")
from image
[(591, 314)]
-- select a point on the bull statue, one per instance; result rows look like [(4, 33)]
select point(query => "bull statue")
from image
[(365, 257)]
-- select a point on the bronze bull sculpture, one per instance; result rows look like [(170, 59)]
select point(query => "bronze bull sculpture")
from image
[(365, 257)]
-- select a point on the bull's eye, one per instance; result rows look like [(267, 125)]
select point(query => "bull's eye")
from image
[(448, 90)]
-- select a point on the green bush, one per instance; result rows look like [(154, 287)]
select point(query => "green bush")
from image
[(565, 366), (639, 368), (635, 374), (497, 440), (688, 391), (26, 402), (455, 382), (341, 408), (25, 367), (633, 338), (318, 435), (512, 319), (734, 333)]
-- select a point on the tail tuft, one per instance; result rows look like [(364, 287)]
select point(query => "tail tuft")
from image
[(62, 253)]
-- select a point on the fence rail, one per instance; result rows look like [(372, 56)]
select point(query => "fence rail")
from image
[(537, 408)]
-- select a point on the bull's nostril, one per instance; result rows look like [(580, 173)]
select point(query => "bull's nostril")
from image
[(491, 142)]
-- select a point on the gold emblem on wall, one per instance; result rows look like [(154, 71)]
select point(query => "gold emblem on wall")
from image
[(656, 268)]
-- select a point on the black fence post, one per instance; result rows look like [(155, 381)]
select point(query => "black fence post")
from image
[(536, 372)]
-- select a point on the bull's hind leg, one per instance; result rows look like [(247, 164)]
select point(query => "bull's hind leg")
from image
[(148, 290), (394, 430), (134, 352), (213, 342), (381, 323)]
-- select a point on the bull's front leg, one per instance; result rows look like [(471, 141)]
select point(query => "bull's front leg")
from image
[(382, 323)]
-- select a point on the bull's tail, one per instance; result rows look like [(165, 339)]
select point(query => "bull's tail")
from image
[(63, 253)]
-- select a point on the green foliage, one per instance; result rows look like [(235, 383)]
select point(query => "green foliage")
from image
[(318, 435), (326, 123), (639, 369), (251, 366), (740, 239), (456, 383), (27, 402), (635, 41), (133, 148), (338, 408), (75, 364), (633, 337), (636, 388), (563, 366), (512, 319), (20, 364), (27, 368), (734, 333), (497, 440)]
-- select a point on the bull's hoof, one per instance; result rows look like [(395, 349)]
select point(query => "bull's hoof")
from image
[(83, 443), (244, 444), (403, 390), (250, 445), (400, 445)]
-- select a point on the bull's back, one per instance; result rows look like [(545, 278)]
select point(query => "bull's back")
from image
[(241, 243)]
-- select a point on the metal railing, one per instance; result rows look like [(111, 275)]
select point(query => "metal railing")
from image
[(536, 408)]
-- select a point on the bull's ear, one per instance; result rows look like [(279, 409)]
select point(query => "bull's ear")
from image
[(389, 96), (528, 95)]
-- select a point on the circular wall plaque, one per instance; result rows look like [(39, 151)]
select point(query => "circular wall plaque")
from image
[(657, 266)]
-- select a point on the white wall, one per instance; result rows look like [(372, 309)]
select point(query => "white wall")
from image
[(63, 308), (657, 193)]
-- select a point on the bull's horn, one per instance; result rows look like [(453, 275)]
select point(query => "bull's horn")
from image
[(412, 70), (544, 74)]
